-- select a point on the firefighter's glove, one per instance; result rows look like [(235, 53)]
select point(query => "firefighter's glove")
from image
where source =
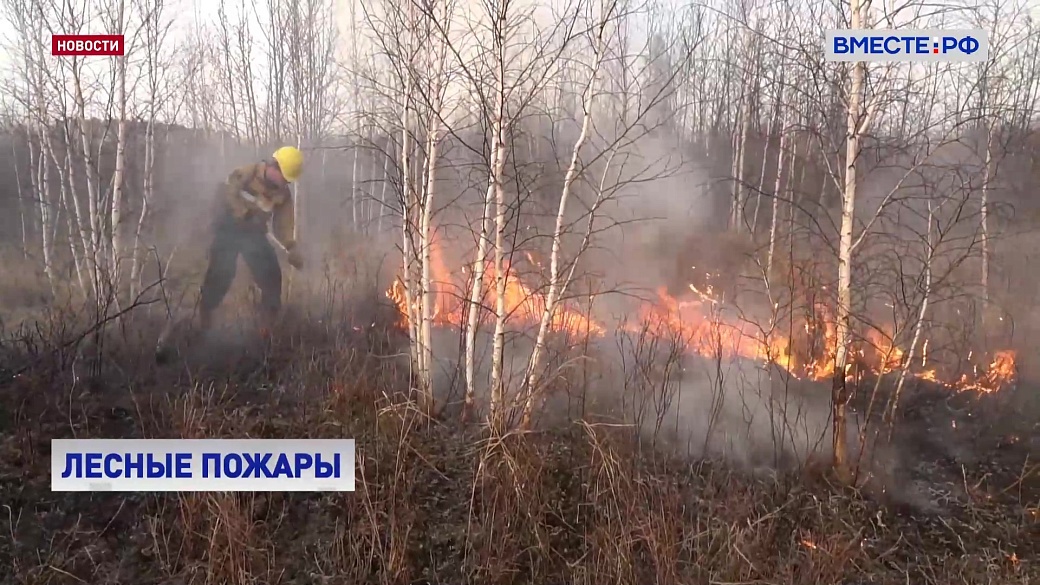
[(295, 259), (239, 206)]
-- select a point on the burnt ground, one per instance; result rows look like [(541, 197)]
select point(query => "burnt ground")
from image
[(958, 500), (963, 447)]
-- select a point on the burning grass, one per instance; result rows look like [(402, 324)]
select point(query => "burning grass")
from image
[(701, 322), (436, 502)]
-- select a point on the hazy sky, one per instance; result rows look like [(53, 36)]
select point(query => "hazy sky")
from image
[(189, 11)]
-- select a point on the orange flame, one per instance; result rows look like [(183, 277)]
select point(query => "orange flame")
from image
[(521, 303), (697, 323)]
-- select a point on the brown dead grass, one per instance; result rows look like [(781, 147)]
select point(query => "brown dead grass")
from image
[(435, 502)]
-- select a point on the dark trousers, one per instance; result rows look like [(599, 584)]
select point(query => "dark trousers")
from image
[(231, 238)]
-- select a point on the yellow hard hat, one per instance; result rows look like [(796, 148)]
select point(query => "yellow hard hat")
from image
[(290, 161)]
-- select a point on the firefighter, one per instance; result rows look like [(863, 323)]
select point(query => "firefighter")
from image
[(250, 198)]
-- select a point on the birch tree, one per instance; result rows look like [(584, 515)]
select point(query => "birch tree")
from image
[(492, 102), (642, 113), (414, 42), (436, 63), (995, 100), (118, 27), (556, 279), (155, 27), (920, 132), (781, 162), (32, 88), (858, 121)]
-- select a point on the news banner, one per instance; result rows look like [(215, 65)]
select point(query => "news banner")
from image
[(928, 45), (87, 45), (202, 465)]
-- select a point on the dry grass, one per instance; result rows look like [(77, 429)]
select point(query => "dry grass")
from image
[(435, 502)]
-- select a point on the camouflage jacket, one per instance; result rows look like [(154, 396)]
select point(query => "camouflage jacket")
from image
[(251, 198)]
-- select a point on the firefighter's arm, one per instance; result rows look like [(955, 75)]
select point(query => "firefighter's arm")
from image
[(232, 193), (283, 223)]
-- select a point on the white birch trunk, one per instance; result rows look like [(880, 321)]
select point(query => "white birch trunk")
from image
[(407, 224), (987, 173), (774, 123), (738, 147), (370, 178), (840, 394), (922, 313), (382, 191), (477, 288), (42, 194), (77, 223), (491, 197), (354, 188), (149, 185), (299, 194), (778, 190), (739, 161), (771, 128), (47, 152), (426, 240), (120, 168), (92, 251), (22, 214), (72, 230), (498, 349), (555, 282), (498, 415)]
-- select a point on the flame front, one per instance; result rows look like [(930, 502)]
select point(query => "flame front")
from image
[(521, 303), (696, 323)]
